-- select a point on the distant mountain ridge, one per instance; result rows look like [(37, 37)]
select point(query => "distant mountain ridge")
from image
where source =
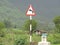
[(17, 16), (8, 11)]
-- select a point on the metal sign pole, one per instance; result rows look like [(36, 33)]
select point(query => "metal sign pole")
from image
[(30, 12), (30, 29)]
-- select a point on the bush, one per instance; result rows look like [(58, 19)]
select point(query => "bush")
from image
[(1, 44), (20, 42), (27, 25), (54, 38), (1, 27)]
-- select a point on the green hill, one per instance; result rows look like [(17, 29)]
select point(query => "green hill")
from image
[(10, 12), (17, 16)]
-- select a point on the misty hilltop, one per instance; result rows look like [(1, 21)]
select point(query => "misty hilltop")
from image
[(15, 10)]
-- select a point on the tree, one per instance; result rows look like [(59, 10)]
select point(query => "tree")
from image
[(57, 23), (1, 27), (7, 23), (20, 42), (27, 25)]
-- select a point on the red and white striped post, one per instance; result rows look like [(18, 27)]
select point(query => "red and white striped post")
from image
[(30, 12), (30, 28)]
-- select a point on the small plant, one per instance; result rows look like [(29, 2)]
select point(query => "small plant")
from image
[(1, 43), (20, 42)]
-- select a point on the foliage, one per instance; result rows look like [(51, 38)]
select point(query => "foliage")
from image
[(1, 27), (27, 25), (15, 36), (54, 38), (57, 23), (8, 11), (20, 42), (7, 23)]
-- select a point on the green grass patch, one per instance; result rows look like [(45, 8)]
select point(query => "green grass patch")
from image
[(11, 35)]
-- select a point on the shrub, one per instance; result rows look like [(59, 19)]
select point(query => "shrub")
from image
[(20, 42), (54, 38), (2, 26)]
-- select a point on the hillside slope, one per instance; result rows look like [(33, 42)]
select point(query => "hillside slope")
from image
[(10, 12), (17, 16)]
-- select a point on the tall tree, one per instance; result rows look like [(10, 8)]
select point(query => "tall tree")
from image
[(57, 23), (27, 25), (7, 23), (1, 27)]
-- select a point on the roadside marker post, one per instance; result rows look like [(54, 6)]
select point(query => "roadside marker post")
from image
[(44, 40), (30, 12)]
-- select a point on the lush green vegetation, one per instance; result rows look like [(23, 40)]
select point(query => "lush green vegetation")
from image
[(16, 36), (57, 23), (12, 21), (27, 25), (17, 17)]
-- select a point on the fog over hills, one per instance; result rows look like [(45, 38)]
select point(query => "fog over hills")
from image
[(9, 12), (15, 10)]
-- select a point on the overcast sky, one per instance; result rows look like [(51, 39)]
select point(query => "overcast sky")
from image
[(37, 3)]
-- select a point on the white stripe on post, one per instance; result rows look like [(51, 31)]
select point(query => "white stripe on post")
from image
[(30, 17), (30, 38), (30, 27)]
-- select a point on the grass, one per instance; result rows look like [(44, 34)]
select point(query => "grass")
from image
[(55, 44), (14, 34)]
